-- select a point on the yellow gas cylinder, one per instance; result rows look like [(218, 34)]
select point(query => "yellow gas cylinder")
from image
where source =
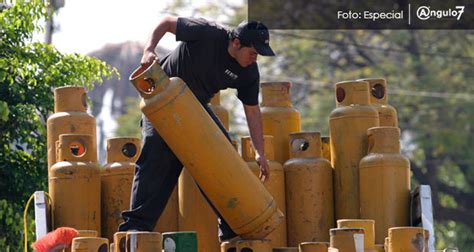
[(235, 144), (116, 180), (192, 202), (309, 190), (379, 248), (379, 100), (279, 118), (168, 221), (367, 225), (229, 246), (70, 117), (405, 239), (82, 233), (313, 247), (90, 244), (87, 233), (426, 236), (385, 182), (275, 184), (348, 125), (326, 147), (219, 111), (196, 214), (254, 246), (144, 242), (239, 196), (285, 249), (347, 239), (74, 184), (120, 242)]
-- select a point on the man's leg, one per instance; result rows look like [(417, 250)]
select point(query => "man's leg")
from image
[(156, 174)]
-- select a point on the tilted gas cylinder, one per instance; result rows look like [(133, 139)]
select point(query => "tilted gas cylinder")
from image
[(116, 181), (192, 203), (385, 182), (379, 100), (74, 184), (203, 149), (348, 125), (275, 184), (70, 117), (279, 118), (309, 190)]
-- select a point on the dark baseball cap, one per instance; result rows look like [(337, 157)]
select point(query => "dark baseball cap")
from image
[(256, 34)]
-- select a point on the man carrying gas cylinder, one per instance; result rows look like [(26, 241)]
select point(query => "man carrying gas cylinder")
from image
[(209, 59)]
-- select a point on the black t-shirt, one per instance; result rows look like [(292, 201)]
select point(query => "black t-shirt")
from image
[(203, 62)]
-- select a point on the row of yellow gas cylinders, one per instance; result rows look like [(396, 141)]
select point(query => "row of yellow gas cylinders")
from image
[(279, 119), (85, 196), (350, 236), (89, 241)]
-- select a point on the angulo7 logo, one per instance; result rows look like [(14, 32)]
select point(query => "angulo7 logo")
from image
[(425, 13)]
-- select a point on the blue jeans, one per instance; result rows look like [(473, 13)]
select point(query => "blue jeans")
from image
[(156, 174)]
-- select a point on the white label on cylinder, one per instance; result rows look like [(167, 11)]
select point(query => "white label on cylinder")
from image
[(359, 242)]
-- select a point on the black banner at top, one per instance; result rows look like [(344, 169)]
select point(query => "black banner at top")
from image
[(363, 14)]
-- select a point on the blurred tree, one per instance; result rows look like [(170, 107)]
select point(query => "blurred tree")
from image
[(28, 73), (128, 123)]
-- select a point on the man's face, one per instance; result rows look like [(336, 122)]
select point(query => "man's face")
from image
[(245, 56)]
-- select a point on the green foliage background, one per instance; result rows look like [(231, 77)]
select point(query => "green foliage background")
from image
[(28, 73)]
